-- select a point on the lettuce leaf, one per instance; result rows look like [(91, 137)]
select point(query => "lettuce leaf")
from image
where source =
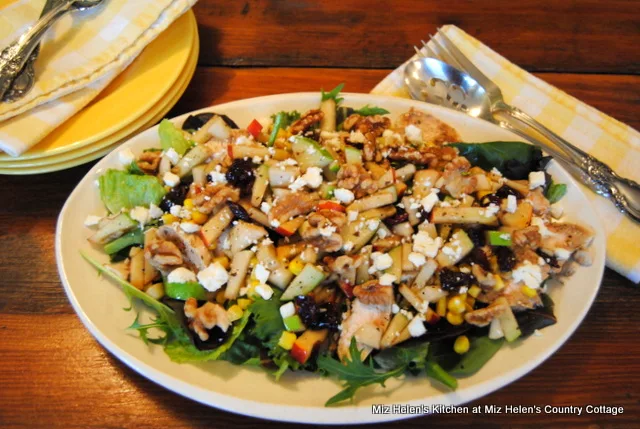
[(172, 137), (121, 190)]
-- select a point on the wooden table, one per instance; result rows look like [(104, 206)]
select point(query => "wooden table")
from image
[(54, 374)]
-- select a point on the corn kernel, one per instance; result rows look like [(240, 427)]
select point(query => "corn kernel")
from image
[(454, 319), (499, 282), (253, 262), (474, 291), (155, 291), (456, 305), (530, 292), (220, 298), (234, 312), (244, 303), (286, 340), (253, 282), (296, 266), (467, 307), (482, 194), (199, 217), (188, 204), (471, 301), (222, 260), (461, 345), (168, 219), (441, 306)]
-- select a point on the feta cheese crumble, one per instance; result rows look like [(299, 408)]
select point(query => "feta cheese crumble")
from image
[(181, 275), (536, 179), (352, 214), (424, 244), (264, 291), (287, 310), (430, 200), (345, 196), (261, 273), (381, 261), (529, 274), (155, 212), (327, 231), (140, 215), (173, 156), (416, 326), (313, 177), (413, 133), (357, 137), (512, 204), (92, 220), (213, 277), (394, 308), (170, 179), (417, 259), (189, 227), (387, 279), (126, 157)]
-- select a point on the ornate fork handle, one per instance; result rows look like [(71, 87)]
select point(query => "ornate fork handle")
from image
[(624, 193), (14, 56)]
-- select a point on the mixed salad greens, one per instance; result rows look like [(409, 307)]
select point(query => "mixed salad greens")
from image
[(336, 241)]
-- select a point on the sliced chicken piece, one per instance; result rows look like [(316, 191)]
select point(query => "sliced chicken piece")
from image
[(484, 316), (365, 317), (562, 239), (292, 205), (434, 131)]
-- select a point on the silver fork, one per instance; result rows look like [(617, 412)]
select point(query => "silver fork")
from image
[(624, 193)]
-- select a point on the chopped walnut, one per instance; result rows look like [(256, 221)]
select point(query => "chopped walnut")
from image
[(387, 243), (321, 217), (371, 127), (485, 279), (355, 178), (306, 121), (374, 293), (292, 205), (210, 198), (344, 266), (319, 223), (539, 202), (149, 161), (206, 317), (163, 255), (431, 156)]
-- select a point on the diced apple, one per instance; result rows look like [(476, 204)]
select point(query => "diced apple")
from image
[(462, 215), (397, 324), (310, 277), (396, 267), (379, 199), (211, 230), (305, 344), (195, 156), (405, 173), (357, 234), (508, 321), (369, 335), (353, 155), (423, 181), (283, 176), (294, 323), (379, 213), (290, 227), (112, 228), (522, 186), (519, 219), (460, 245), (387, 179), (425, 274), (245, 234), (413, 298), (260, 185), (256, 214), (238, 273)]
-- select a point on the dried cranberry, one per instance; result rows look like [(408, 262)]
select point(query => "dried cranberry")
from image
[(477, 256), (175, 197), (551, 260), (477, 236), (399, 217), (239, 212), (506, 258), (490, 199), (241, 175), (505, 191), (314, 316), (452, 280)]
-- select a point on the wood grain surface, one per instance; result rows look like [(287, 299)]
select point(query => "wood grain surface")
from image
[(54, 374)]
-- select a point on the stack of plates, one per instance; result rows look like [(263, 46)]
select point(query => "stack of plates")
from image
[(134, 101)]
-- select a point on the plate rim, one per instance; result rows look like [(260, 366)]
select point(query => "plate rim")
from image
[(305, 414)]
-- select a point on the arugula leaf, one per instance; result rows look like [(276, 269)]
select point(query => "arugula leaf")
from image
[(354, 373), (172, 137), (555, 192), (333, 94), (371, 110), (166, 315), (243, 352), (515, 160), (121, 190), (287, 119), (143, 330)]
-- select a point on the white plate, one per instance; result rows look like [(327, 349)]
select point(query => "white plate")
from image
[(300, 397)]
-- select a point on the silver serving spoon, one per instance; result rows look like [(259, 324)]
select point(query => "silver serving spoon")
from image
[(436, 82), (23, 82), (14, 57)]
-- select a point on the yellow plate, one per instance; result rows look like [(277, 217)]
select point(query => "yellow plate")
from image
[(168, 100), (142, 85), (105, 146)]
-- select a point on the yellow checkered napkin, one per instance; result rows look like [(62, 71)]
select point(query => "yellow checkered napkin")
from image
[(611, 141), (80, 55)]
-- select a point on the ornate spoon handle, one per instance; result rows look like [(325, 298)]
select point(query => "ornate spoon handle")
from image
[(14, 56)]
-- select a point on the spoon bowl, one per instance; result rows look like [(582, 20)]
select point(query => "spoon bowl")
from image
[(436, 82)]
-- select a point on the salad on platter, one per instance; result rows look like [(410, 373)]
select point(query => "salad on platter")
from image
[(339, 241)]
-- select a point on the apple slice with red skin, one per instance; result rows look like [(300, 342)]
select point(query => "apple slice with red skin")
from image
[(331, 205), (290, 227), (304, 346)]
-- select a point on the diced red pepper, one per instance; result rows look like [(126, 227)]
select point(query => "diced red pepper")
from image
[(347, 288), (254, 128), (230, 151), (331, 205)]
